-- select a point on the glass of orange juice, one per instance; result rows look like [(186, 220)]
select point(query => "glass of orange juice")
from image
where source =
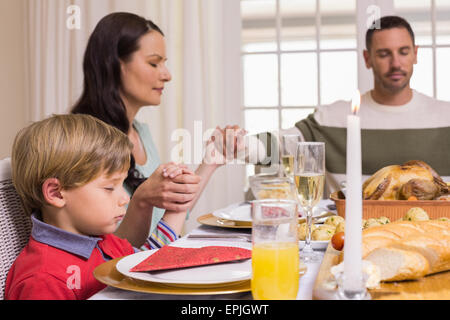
[(275, 252)]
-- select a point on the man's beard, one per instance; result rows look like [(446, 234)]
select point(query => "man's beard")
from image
[(393, 87)]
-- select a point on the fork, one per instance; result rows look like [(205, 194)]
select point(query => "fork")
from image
[(245, 237)]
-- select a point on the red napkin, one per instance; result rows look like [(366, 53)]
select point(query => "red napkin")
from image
[(169, 257)]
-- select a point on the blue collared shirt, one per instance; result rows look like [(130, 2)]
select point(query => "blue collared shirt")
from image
[(77, 244)]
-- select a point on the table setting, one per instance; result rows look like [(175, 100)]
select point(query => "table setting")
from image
[(121, 288), (289, 242), (212, 282), (175, 283)]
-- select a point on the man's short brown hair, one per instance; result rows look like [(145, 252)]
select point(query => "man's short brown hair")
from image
[(387, 22)]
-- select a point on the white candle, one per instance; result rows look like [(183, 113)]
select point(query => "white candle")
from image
[(353, 202)]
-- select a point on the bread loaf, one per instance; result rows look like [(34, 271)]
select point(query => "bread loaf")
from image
[(396, 264), (408, 250), (381, 236)]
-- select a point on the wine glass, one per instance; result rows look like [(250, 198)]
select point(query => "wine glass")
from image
[(287, 153), (309, 176)]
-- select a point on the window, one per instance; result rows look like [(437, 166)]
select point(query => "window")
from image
[(430, 21), (294, 55)]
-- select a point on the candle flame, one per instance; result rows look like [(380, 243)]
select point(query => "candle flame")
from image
[(356, 101)]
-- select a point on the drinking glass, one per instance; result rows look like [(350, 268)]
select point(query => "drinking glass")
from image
[(309, 176), (265, 186), (275, 250), (287, 153)]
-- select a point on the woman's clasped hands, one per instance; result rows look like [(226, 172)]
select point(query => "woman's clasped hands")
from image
[(171, 186)]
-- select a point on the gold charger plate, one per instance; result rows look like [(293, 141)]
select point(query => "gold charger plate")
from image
[(107, 274), (210, 220)]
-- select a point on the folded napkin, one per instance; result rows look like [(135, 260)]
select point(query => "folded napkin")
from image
[(169, 257)]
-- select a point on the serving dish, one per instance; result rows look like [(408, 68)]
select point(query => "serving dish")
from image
[(394, 209)]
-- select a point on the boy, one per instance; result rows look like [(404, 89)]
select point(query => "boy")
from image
[(69, 171)]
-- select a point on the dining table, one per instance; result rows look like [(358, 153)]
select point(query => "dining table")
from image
[(228, 237)]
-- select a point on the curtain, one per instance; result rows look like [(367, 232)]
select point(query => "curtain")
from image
[(54, 51), (211, 87), (203, 49)]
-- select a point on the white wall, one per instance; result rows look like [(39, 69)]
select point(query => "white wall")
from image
[(12, 73)]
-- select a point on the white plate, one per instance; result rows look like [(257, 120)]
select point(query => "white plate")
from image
[(242, 213), (210, 274), (316, 245), (235, 212)]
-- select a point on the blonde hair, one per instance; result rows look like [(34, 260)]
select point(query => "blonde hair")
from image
[(73, 148)]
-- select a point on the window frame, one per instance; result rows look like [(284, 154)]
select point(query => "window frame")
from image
[(279, 52)]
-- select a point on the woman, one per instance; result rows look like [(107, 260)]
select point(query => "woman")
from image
[(124, 69)]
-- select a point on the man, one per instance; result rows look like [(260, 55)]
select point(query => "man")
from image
[(398, 123)]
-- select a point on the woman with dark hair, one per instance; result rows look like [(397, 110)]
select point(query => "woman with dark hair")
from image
[(124, 70)]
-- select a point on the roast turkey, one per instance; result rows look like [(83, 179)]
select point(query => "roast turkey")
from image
[(400, 182)]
